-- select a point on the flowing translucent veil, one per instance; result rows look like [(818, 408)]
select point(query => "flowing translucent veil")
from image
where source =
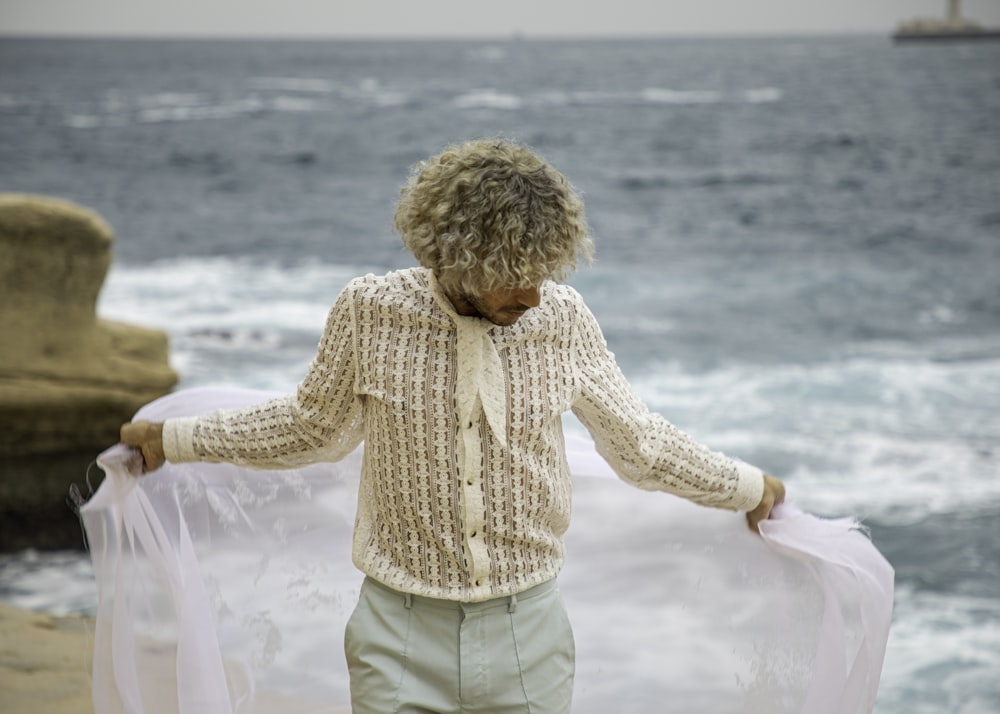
[(224, 590)]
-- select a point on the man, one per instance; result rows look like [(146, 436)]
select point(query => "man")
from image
[(456, 375)]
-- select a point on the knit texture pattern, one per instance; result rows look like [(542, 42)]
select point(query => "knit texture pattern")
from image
[(465, 492)]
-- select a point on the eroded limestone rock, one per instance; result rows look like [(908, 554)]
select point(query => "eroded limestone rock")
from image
[(68, 378)]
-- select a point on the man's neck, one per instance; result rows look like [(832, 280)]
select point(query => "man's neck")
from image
[(461, 305)]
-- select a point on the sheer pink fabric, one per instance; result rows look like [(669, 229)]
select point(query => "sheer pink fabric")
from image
[(225, 591)]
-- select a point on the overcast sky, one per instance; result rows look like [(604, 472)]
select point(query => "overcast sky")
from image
[(531, 18)]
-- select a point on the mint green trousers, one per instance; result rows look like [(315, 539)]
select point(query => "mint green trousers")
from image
[(410, 655)]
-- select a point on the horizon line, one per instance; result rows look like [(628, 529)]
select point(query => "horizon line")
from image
[(504, 37)]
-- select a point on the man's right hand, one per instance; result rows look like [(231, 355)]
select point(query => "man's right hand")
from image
[(147, 437), (774, 494)]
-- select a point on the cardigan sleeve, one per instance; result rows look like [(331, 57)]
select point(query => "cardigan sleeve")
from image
[(641, 446), (321, 421)]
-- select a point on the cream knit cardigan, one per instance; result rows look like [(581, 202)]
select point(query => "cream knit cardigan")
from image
[(465, 493)]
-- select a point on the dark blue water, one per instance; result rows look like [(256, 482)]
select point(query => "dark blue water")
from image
[(798, 249)]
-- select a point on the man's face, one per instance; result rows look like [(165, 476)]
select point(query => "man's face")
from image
[(503, 306)]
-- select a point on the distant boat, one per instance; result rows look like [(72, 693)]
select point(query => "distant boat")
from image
[(954, 27)]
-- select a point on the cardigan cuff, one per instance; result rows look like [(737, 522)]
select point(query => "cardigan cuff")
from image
[(749, 487), (178, 440)]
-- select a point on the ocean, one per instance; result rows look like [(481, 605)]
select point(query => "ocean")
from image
[(798, 253)]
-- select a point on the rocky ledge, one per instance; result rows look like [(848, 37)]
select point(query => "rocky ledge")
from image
[(68, 378)]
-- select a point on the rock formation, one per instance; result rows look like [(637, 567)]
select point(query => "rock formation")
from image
[(68, 378)]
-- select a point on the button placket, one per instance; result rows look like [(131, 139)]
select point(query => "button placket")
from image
[(478, 374), (474, 504)]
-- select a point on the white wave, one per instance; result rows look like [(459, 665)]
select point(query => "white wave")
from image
[(368, 89), (488, 53), (284, 103), (291, 94), (488, 99), (166, 114), (229, 320), (656, 95), (372, 90), (597, 98), (897, 439), (313, 85), (14, 101), (279, 94), (943, 654), (562, 98), (919, 432), (117, 109), (59, 583), (187, 112), (763, 95), (939, 315), (199, 291), (166, 99), (895, 480), (157, 110)]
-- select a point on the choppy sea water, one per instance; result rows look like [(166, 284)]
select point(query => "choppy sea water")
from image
[(798, 243)]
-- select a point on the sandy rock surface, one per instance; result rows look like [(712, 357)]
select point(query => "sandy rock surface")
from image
[(68, 379)]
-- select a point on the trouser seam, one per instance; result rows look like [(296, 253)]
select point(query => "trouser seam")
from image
[(517, 655), (405, 654)]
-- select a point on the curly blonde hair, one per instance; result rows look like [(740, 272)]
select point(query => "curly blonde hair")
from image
[(490, 214)]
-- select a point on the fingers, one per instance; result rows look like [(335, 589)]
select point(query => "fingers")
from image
[(757, 515), (774, 494), (147, 438), (131, 433)]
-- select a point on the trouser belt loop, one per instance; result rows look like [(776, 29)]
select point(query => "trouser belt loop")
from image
[(512, 605), (407, 600)]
